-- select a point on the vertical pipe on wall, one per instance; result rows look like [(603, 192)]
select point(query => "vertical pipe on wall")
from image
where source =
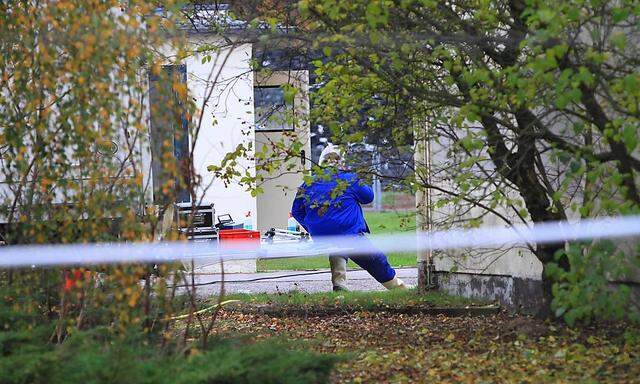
[(377, 185), (422, 160)]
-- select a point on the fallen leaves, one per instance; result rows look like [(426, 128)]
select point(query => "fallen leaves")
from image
[(398, 348)]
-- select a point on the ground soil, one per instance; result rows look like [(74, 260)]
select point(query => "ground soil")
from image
[(391, 347)]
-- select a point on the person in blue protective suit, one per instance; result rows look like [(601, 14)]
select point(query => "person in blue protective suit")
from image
[(330, 206)]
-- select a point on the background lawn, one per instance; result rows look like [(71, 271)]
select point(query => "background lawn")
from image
[(362, 300), (379, 222)]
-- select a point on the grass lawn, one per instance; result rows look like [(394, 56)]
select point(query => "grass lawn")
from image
[(363, 300), (379, 222)]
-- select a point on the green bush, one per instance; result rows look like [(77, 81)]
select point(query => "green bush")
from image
[(591, 290), (100, 355), (92, 357)]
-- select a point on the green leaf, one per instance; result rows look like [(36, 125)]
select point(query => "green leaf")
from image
[(546, 15), (619, 14), (630, 137), (376, 14), (619, 40), (289, 94)]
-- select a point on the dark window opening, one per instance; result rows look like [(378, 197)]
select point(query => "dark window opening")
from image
[(273, 114), (169, 129)]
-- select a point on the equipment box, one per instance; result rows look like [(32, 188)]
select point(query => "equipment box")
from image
[(239, 235), (200, 217), (226, 222)]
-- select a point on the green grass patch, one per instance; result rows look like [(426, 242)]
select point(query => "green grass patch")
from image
[(363, 300), (379, 223), (390, 221)]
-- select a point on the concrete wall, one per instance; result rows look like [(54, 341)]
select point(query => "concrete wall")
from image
[(517, 262), (514, 293), (510, 276)]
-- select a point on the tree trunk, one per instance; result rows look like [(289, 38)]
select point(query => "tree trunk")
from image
[(519, 168), (547, 252), (539, 207)]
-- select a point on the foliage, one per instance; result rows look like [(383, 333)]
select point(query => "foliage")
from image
[(73, 100), (531, 108), (92, 102), (97, 356), (83, 360), (594, 288), (76, 79)]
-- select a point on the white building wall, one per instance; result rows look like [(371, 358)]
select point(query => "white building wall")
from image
[(508, 261), (223, 92)]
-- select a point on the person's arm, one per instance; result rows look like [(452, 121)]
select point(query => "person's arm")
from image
[(362, 192), (298, 210)]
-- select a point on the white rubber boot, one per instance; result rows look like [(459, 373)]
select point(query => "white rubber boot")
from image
[(338, 273), (395, 283)]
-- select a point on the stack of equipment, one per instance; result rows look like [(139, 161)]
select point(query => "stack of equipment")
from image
[(196, 222)]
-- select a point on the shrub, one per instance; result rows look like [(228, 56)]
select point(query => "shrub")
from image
[(102, 356), (592, 289)]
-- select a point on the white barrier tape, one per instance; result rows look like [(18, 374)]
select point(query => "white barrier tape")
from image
[(115, 253)]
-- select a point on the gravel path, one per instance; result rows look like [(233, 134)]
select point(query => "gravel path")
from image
[(285, 281)]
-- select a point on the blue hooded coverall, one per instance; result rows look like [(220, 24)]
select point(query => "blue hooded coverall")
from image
[(322, 214)]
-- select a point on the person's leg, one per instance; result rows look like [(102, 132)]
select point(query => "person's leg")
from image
[(378, 266), (338, 273)]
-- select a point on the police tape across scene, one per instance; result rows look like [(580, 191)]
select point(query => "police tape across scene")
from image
[(18, 256)]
